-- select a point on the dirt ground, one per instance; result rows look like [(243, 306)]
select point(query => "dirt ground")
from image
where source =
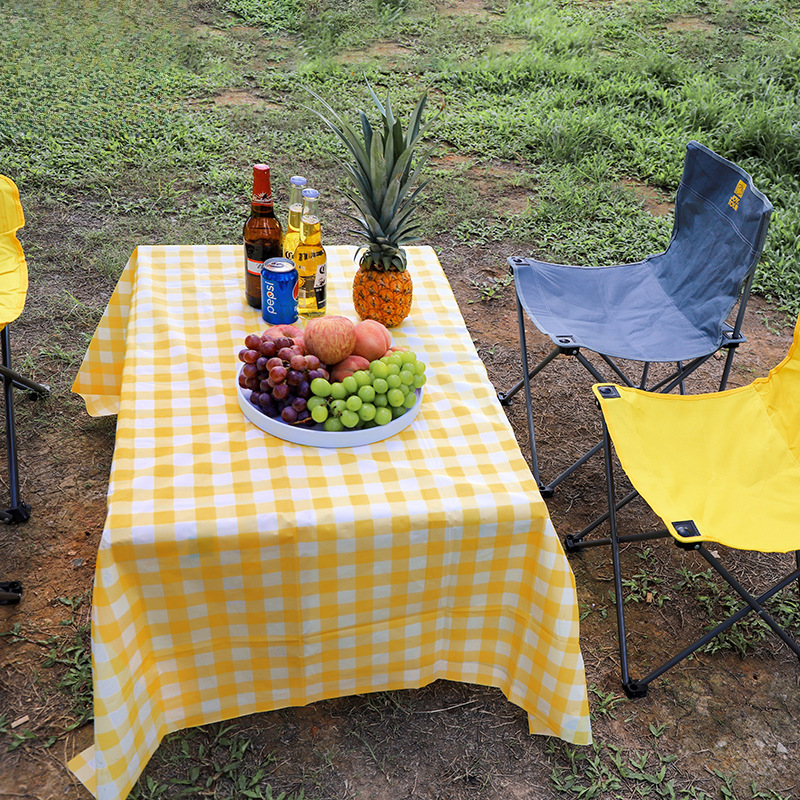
[(716, 712)]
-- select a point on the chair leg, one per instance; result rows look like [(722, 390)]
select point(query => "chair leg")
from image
[(632, 688), (17, 511), (10, 592)]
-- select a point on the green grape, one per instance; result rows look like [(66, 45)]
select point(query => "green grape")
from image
[(320, 387), (410, 400), (419, 367), (367, 394), (349, 419), (363, 378), (367, 412), (419, 381), (383, 416), (380, 386), (319, 413), (394, 369), (395, 397), (380, 401), (338, 392), (337, 407), (407, 377), (315, 401), (350, 384), (393, 381), (398, 411), (407, 357), (378, 369), (333, 424), (354, 402), (394, 358)]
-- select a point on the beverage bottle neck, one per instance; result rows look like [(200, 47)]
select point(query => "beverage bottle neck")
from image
[(310, 228), (261, 205)]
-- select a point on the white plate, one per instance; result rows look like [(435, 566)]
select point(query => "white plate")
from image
[(316, 436)]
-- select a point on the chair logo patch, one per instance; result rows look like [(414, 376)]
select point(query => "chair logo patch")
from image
[(737, 195)]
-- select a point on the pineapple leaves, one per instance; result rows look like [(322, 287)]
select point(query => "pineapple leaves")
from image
[(382, 175)]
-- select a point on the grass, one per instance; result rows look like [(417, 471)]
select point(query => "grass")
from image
[(114, 125)]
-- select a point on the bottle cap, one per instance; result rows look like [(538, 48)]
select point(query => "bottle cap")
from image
[(298, 180), (311, 194)]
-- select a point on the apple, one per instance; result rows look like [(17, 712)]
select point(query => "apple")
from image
[(330, 339), (347, 367), (372, 339)]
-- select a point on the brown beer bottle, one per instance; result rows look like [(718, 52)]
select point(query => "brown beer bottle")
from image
[(262, 234)]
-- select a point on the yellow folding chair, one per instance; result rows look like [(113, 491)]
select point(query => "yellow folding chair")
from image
[(721, 467), (13, 289)]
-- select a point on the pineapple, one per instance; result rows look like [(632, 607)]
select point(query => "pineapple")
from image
[(381, 171)]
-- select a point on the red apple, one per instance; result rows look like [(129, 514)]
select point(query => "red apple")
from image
[(330, 339)]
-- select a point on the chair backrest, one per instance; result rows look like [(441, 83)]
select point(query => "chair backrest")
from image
[(780, 391), (720, 226), (13, 269)]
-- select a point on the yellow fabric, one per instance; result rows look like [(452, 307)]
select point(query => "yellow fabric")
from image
[(13, 269), (729, 461), (240, 573)]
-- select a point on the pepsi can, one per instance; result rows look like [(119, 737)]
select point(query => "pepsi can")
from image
[(279, 290)]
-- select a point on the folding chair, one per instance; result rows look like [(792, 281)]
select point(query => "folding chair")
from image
[(671, 307), (721, 467), (13, 288)]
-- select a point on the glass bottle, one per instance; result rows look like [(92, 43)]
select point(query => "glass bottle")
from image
[(292, 236), (262, 234), (310, 260)]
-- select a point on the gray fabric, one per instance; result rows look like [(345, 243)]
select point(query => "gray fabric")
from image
[(670, 306)]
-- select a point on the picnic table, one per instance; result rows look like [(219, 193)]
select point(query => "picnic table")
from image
[(240, 573)]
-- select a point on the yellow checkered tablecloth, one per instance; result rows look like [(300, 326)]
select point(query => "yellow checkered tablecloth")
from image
[(240, 573)]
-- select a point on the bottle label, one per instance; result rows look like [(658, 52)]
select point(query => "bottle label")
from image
[(320, 285), (254, 267), (321, 276)]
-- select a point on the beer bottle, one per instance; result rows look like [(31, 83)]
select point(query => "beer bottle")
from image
[(262, 234), (292, 236), (310, 260)]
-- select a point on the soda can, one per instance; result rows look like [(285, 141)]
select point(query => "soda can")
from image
[(279, 290)]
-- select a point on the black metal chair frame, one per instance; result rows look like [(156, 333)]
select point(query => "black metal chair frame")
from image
[(733, 338), (638, 687), (18, 511)]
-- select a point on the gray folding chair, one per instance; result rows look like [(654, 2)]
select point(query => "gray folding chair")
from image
[(671, 307)]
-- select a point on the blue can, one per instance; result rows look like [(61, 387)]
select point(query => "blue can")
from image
[(279, 289)]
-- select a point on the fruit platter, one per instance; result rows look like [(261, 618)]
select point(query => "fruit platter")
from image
[(332, 384)]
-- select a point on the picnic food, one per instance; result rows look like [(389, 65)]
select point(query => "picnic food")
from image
[(262, 234), (383, 177), (299, 389), (372, 339), (331, 339)]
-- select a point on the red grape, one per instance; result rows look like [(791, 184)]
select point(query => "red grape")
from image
[(280, 392), (242, 380), (289, 415), (274, 362), (267, 348), (294, 378), (298, 362), (285, 354), (253, 341), (265, 385), (312, 362), (299, 404), (249, 370), (250, 383), (250, 356), (278, 374)]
